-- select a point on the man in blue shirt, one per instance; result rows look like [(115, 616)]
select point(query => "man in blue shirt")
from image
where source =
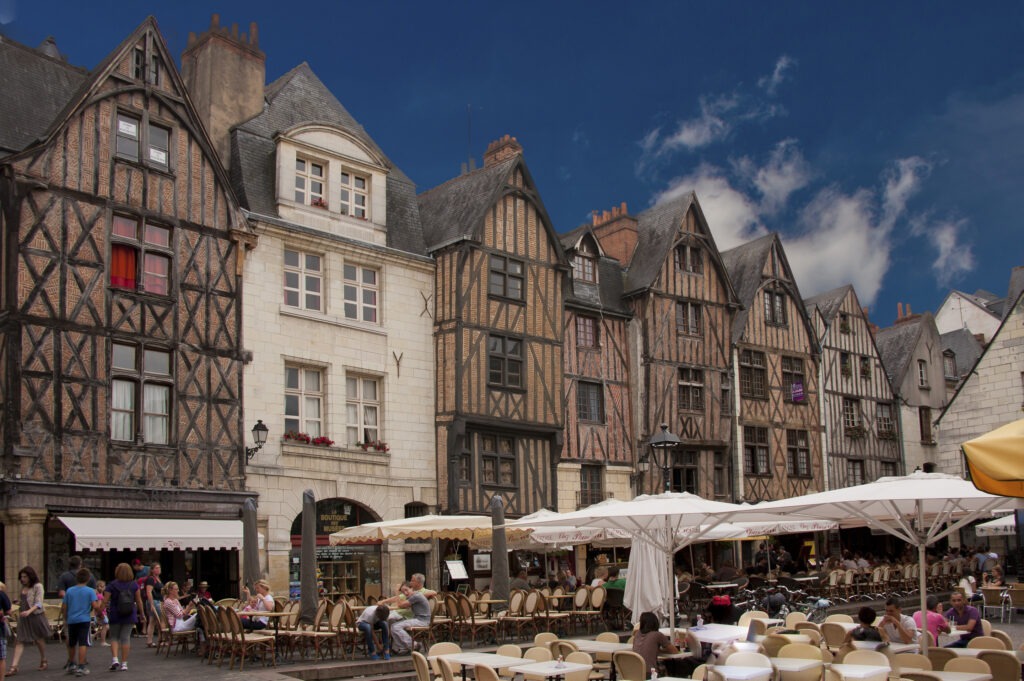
[(966, 618), (80, 601)]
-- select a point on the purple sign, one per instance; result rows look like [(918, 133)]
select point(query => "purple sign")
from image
[(798, 391)]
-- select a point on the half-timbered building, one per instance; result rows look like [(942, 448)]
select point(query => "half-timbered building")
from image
[(598, 454), (684, 305), (338, 316), (860, 423), (121, 352), (911, 353), (498, 336), (775, 380)]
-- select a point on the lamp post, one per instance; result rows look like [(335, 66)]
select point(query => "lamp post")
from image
[(259, 436), (663, 442)]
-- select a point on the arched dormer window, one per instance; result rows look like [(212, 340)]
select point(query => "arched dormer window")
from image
[(584, 263)]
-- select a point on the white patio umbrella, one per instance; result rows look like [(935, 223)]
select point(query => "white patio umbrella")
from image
[(459, 527), (1000, 527), (920, 509)]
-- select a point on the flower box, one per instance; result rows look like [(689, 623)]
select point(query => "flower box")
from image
[(375, 445), (307, 439)]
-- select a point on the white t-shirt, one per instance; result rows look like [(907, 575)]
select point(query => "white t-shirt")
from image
[(894, 634)]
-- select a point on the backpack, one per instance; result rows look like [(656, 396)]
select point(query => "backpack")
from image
[(125, 602)]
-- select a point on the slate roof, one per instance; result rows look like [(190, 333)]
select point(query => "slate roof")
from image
[(965, 347), (1015, 289), (896, 346), (453, 211), (606, 294), (297, 98), (36, 88), (745, 264), (829, 302)]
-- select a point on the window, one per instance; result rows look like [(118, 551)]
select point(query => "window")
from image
[(755, 451), (465, 468), (845, 367), (689, 259), (684, 473), (922, 373), (753, 375), (798, 453), (506, 277), (774, 307), (793, 379), (721, 481), (132, 137), (362, 409), (726, 397), (505, 362), (689, 318), (888, 469), (303, 400), (924, 416), (146, 70), (303, 280), (854, 472), (844, 323), (354, 194), (949, 366), (884, 421), (865, 367), (360, 292), (140, 393), (851, 414), (691, 389), (590, 401), (586, 332), (140, 256), (309, 183), (584, 267), (591, 485), (498, 461)]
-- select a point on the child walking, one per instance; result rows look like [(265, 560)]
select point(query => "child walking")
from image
[(80, 602)]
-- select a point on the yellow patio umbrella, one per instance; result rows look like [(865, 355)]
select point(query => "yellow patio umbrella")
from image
[(996, 460)]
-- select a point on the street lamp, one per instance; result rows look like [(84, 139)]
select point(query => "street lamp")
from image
[(663, 442), (259, 436)]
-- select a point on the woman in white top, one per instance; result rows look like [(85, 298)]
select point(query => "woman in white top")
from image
[(262, 601), (600, 575)]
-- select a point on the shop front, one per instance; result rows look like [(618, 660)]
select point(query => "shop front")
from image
[(353, 570)]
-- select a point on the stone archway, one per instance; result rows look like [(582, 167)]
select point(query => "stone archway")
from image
[(341, 570)]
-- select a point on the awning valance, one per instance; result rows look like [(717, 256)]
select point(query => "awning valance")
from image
[(120, 534)]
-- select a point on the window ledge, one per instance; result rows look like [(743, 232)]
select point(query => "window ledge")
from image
[(142, 165), (288, 311), (506, 299), (346, 453)]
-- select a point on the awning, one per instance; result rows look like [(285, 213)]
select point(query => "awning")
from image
[(126, 534)]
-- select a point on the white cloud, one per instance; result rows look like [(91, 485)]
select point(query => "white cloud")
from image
[(901, 182), (771, 82), (701, 131), (785, 172), (953, 257), (732, 216)]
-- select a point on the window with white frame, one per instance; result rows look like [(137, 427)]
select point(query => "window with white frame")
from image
[(310, 177), (586, 331), (949, 365), (303, 280), (851, 414), (506, 277), (362, 409), (884, 421), (355, 193), (141, 255), (922, 373), (584, 264), (303, 400), (798, 453), (139, 140), (690, 318), (141, 384), (755, 451), (691, 389), (361, 292)]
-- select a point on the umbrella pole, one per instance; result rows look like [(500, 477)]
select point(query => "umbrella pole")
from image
[(921, 577)]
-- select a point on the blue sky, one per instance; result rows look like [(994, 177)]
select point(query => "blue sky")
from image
[(882, 140)]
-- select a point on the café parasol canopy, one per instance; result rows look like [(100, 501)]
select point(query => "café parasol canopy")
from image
[(995, 460), (455, 527), (1000, 527)]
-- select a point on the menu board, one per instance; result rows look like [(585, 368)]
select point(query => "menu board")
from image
[(457, 569)]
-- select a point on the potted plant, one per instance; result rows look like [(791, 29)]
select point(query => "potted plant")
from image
[(855, 432), (376, 445), (323, 441), (318, 202), (298, 437)]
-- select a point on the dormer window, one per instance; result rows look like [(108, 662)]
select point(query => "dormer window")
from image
[(147, 70), (949, 365), (354, 194), (774, 307), (584, 264), (309, 183)]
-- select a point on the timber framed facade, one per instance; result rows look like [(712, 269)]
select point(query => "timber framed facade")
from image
[(121, 347)]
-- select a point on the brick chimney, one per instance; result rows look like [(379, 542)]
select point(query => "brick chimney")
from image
[(616, 229), (225, 73), (501, 149), (906, 316)]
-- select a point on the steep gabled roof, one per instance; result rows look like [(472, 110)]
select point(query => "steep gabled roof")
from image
[(298, 98), (745, 264), (829, 302), (964, 346), (896, 346), (36, 87), (455, 210)]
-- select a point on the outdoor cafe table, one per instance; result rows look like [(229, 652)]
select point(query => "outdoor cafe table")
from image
[(859, 671), (552, 669), (489, 602), (973, 652), (713, 633), (483, 659), (586, 645), (792, 638), (793, 664), (721, 586), (955, 676), (732, 672)]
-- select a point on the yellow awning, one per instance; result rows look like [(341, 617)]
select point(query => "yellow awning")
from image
[(996, 460)]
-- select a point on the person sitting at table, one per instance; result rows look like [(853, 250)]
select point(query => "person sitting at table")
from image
[(376, 617), (178, 618), (895, 626), (261, 601), (935, 623), (966, 618), (994, 577), (866, 629), (600, 576), (520, 582), (648, 642), (420, 608), (614, 581)]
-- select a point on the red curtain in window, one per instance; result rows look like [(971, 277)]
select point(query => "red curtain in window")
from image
[(123, 267)]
